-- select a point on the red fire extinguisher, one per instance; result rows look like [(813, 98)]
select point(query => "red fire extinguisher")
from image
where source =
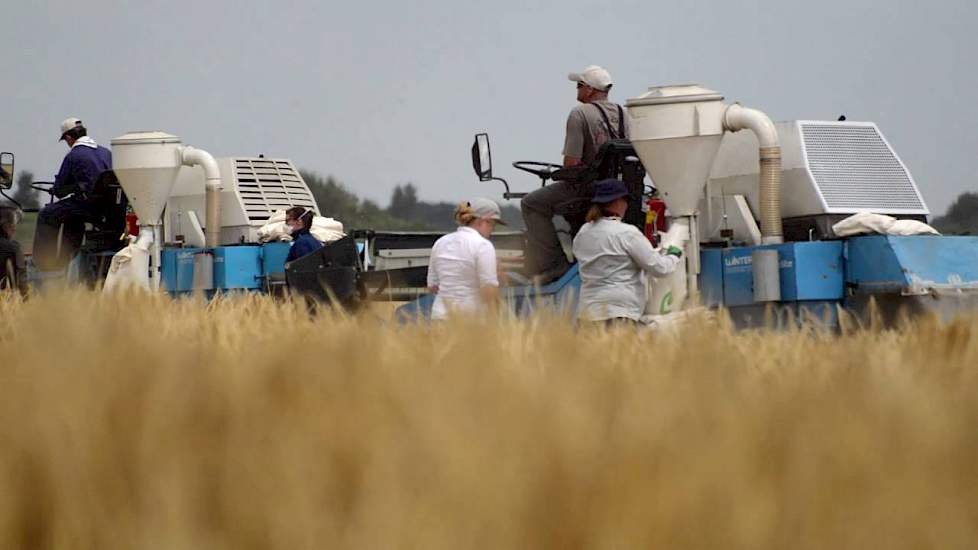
[(132, 223), (655, 219)]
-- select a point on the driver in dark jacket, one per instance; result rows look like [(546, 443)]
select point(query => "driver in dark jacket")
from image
[(61, 225), (299, 221)]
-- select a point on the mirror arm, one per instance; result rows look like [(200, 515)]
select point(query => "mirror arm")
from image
[(11, 199), (507, 194), (505, 184)]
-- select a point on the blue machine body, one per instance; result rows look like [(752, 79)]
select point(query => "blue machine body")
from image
[(919, 273), (810, 271), (880, 263), (243, 267), (818, 278), (812, 278), (914, 273), (273, 257), (178, 268), (560, 296)]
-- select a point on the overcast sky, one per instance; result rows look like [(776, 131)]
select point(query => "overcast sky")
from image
[(384, 93)]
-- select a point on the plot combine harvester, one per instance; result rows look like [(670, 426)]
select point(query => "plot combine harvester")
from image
[(759, 207), (198, 217)]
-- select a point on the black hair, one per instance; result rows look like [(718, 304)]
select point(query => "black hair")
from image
[(76, 132), (302, 214)]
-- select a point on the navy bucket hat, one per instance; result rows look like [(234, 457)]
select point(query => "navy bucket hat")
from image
[(608, 190)]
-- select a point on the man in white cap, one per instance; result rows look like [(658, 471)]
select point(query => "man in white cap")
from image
[(61, 225), (589, 125)]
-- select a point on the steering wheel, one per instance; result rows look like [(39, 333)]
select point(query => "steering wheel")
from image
[(43, 186), (542, 170)]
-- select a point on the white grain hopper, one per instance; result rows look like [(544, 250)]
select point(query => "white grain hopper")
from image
[(677, 132)]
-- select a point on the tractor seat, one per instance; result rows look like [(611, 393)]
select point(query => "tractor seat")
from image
[(105, 226), (95, 240)]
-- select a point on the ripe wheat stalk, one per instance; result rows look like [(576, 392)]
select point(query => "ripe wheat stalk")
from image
[(137, 421)]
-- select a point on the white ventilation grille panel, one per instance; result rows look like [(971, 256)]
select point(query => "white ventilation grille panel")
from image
[(854, 169), (269, 185)]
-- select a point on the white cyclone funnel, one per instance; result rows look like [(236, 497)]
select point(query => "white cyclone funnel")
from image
[(676, 131), (147, 164)]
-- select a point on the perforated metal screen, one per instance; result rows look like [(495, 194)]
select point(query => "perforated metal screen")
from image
[(268, 185), (855, 169)]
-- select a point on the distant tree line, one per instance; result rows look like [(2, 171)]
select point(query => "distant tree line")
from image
[(406, 211), (22, 192), (961, 218)]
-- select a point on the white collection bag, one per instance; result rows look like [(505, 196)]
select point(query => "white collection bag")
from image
[(867, 222), (130, 266)]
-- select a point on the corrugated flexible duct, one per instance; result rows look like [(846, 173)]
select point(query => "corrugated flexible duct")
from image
[(737, 117), (191, 156)]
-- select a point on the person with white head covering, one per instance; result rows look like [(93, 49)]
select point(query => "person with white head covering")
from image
[(592, 123), (463, 272), (298, 223)]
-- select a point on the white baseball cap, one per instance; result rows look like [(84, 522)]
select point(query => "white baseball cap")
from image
[(594, 76), (69, 124), (486, 208)]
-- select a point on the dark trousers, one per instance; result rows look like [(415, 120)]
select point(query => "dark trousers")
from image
[(59, 233), (543, 251)]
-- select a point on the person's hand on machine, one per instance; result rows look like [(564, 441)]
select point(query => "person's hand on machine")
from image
[(674, 251), (501, 275)]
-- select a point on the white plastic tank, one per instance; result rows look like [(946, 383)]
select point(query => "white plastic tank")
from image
[(147, 164), (676, 131)]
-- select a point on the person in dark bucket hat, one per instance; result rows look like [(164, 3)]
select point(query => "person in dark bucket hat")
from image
[(614, 259), (606, 191)]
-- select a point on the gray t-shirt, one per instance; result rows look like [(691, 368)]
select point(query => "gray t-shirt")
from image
[(587, 130)]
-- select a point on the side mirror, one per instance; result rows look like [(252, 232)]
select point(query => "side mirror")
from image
[(7, 170), (481, 157)]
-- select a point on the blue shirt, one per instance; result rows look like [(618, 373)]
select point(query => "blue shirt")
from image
[(303, 244), (81, 168)]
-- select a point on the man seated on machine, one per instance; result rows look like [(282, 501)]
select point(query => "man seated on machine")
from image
[(61, 224), (589, 126)]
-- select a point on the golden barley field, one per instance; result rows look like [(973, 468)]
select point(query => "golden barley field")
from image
[(136, 421)]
